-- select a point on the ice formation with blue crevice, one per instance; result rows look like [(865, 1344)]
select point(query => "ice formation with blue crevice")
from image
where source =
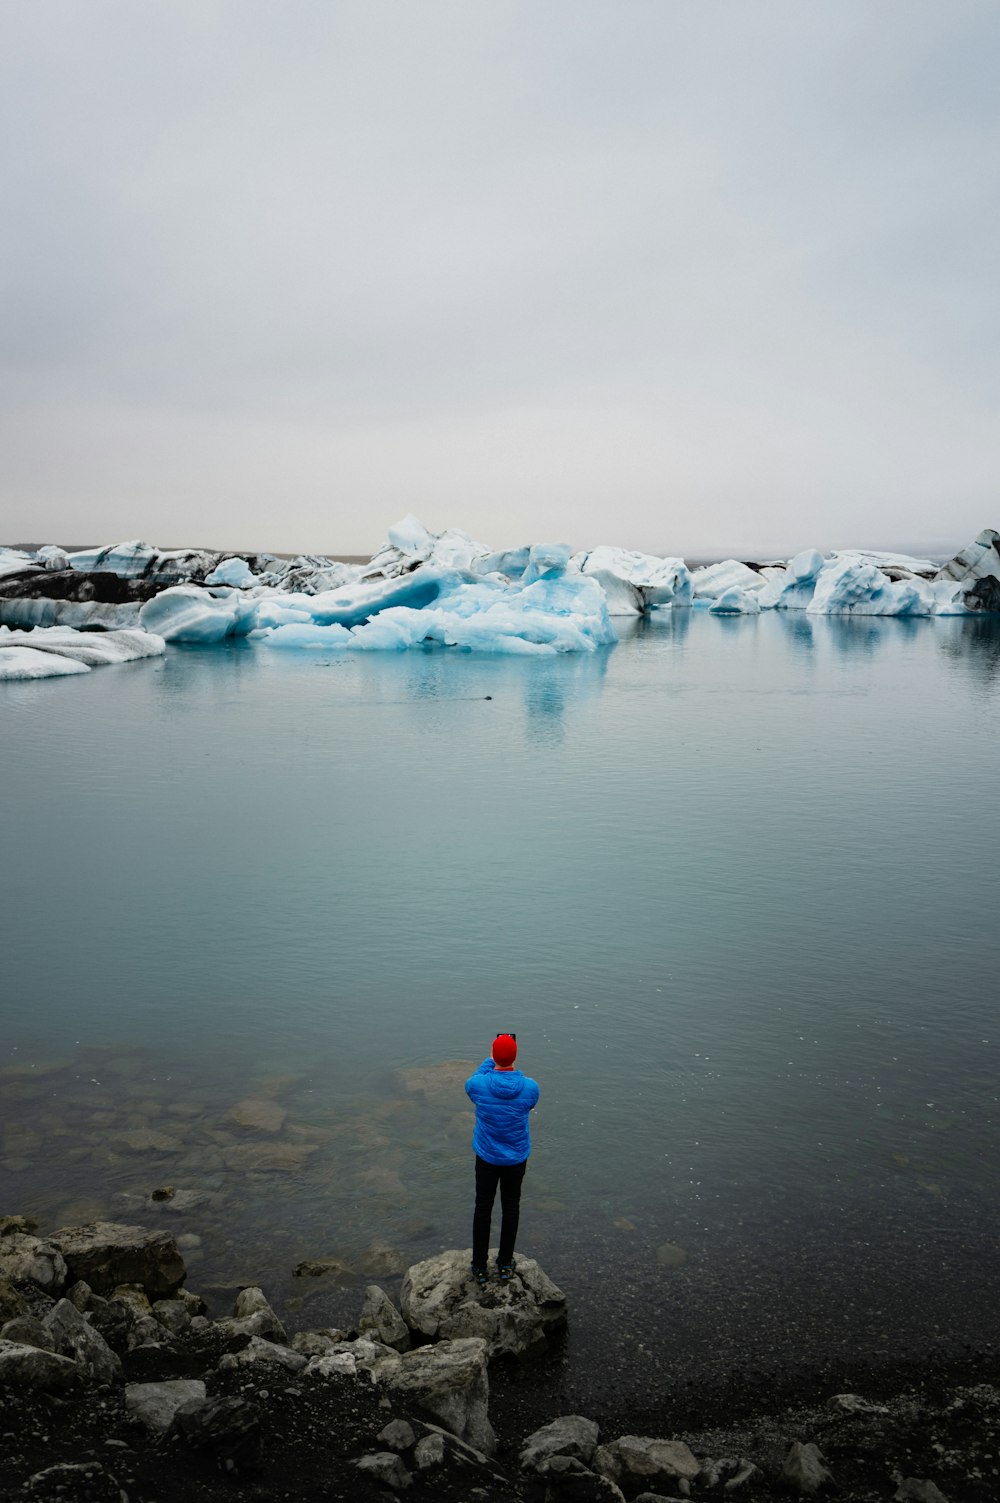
[(442, 589)]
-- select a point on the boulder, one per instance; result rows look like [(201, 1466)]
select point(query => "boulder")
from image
[(31, 1367), (316, 1343), (259, 1350), (75, 1479), (34, 1260), (228, 1429), (12, 1305), (253, 1316), (569, 1435), (380, 1319), (397, 1435), (635, 1462), (106, 1253), (440, 1299), (804, 1470), (9, 1224), (75, 1338), (918, 1490), (385, 1467), (174, 1315), (568, 1481), (429, 1452), (29, 1331), (154, 1405), (448, 1383)]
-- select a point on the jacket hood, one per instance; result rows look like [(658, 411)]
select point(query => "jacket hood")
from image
[(505, 1084)]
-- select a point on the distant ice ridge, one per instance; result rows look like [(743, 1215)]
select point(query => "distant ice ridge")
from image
[(447, 588), (56, 651)]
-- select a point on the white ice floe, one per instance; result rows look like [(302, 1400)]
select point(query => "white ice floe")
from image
[(48, 652), (714, 580), (232, 571), (188, 613), (51, 557), (14, 561), (736, 602), (636, 582), (26, 662)]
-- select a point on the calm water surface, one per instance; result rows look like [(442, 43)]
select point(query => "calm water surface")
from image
[(733, 883)]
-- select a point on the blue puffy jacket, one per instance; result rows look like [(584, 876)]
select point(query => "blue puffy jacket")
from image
[(503, 1099)]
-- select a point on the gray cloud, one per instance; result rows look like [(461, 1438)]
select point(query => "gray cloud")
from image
[(687, 277)]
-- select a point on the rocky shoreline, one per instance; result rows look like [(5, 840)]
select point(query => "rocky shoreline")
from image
[(116, 1385)]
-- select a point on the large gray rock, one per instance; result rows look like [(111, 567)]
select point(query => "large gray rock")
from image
[(75, 1479), (640, 1461), (29, 1331), (440, 1298), (918, 1490), (107, 1253), (253, 1316), (567, 1480), (226, 1428), (34, 1260), (381, 1319), (155, 1404), (75, 1338), (446, 1383), (569, 1435), (13, 1306), (385, 1467), (804, 1470), (31, 1367), (258, 1350)]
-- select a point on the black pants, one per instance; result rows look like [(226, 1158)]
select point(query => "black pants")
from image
[(488, 1176)]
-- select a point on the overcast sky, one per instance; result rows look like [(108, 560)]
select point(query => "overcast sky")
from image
[(685, 275)]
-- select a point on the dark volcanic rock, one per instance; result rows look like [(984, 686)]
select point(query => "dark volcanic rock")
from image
[(106, 1254)]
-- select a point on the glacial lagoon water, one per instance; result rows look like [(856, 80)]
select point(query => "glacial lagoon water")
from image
[(733, 883)]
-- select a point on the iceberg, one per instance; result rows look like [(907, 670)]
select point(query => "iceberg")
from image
[(736, 602), (636, 582), (976, 570), (232, 571), (136, 559), (714, 580), (13, 561), (847, 585), (26, 663), (189, 613), (48, 652), (567, 613), (91, 615)]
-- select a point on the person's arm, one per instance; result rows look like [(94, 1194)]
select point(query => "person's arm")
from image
[(486, 1068)]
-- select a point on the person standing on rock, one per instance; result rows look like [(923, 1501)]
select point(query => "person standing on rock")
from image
[(503, 1097)]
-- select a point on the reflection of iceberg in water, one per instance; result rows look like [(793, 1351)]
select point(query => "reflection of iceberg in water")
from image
[(861, 636), (974, 642)]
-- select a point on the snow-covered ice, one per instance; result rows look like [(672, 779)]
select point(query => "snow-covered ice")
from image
[(49, 652)]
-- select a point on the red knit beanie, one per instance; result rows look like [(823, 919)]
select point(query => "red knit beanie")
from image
[(504, 1049)]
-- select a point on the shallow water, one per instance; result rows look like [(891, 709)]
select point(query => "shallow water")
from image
[(733, 883)]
